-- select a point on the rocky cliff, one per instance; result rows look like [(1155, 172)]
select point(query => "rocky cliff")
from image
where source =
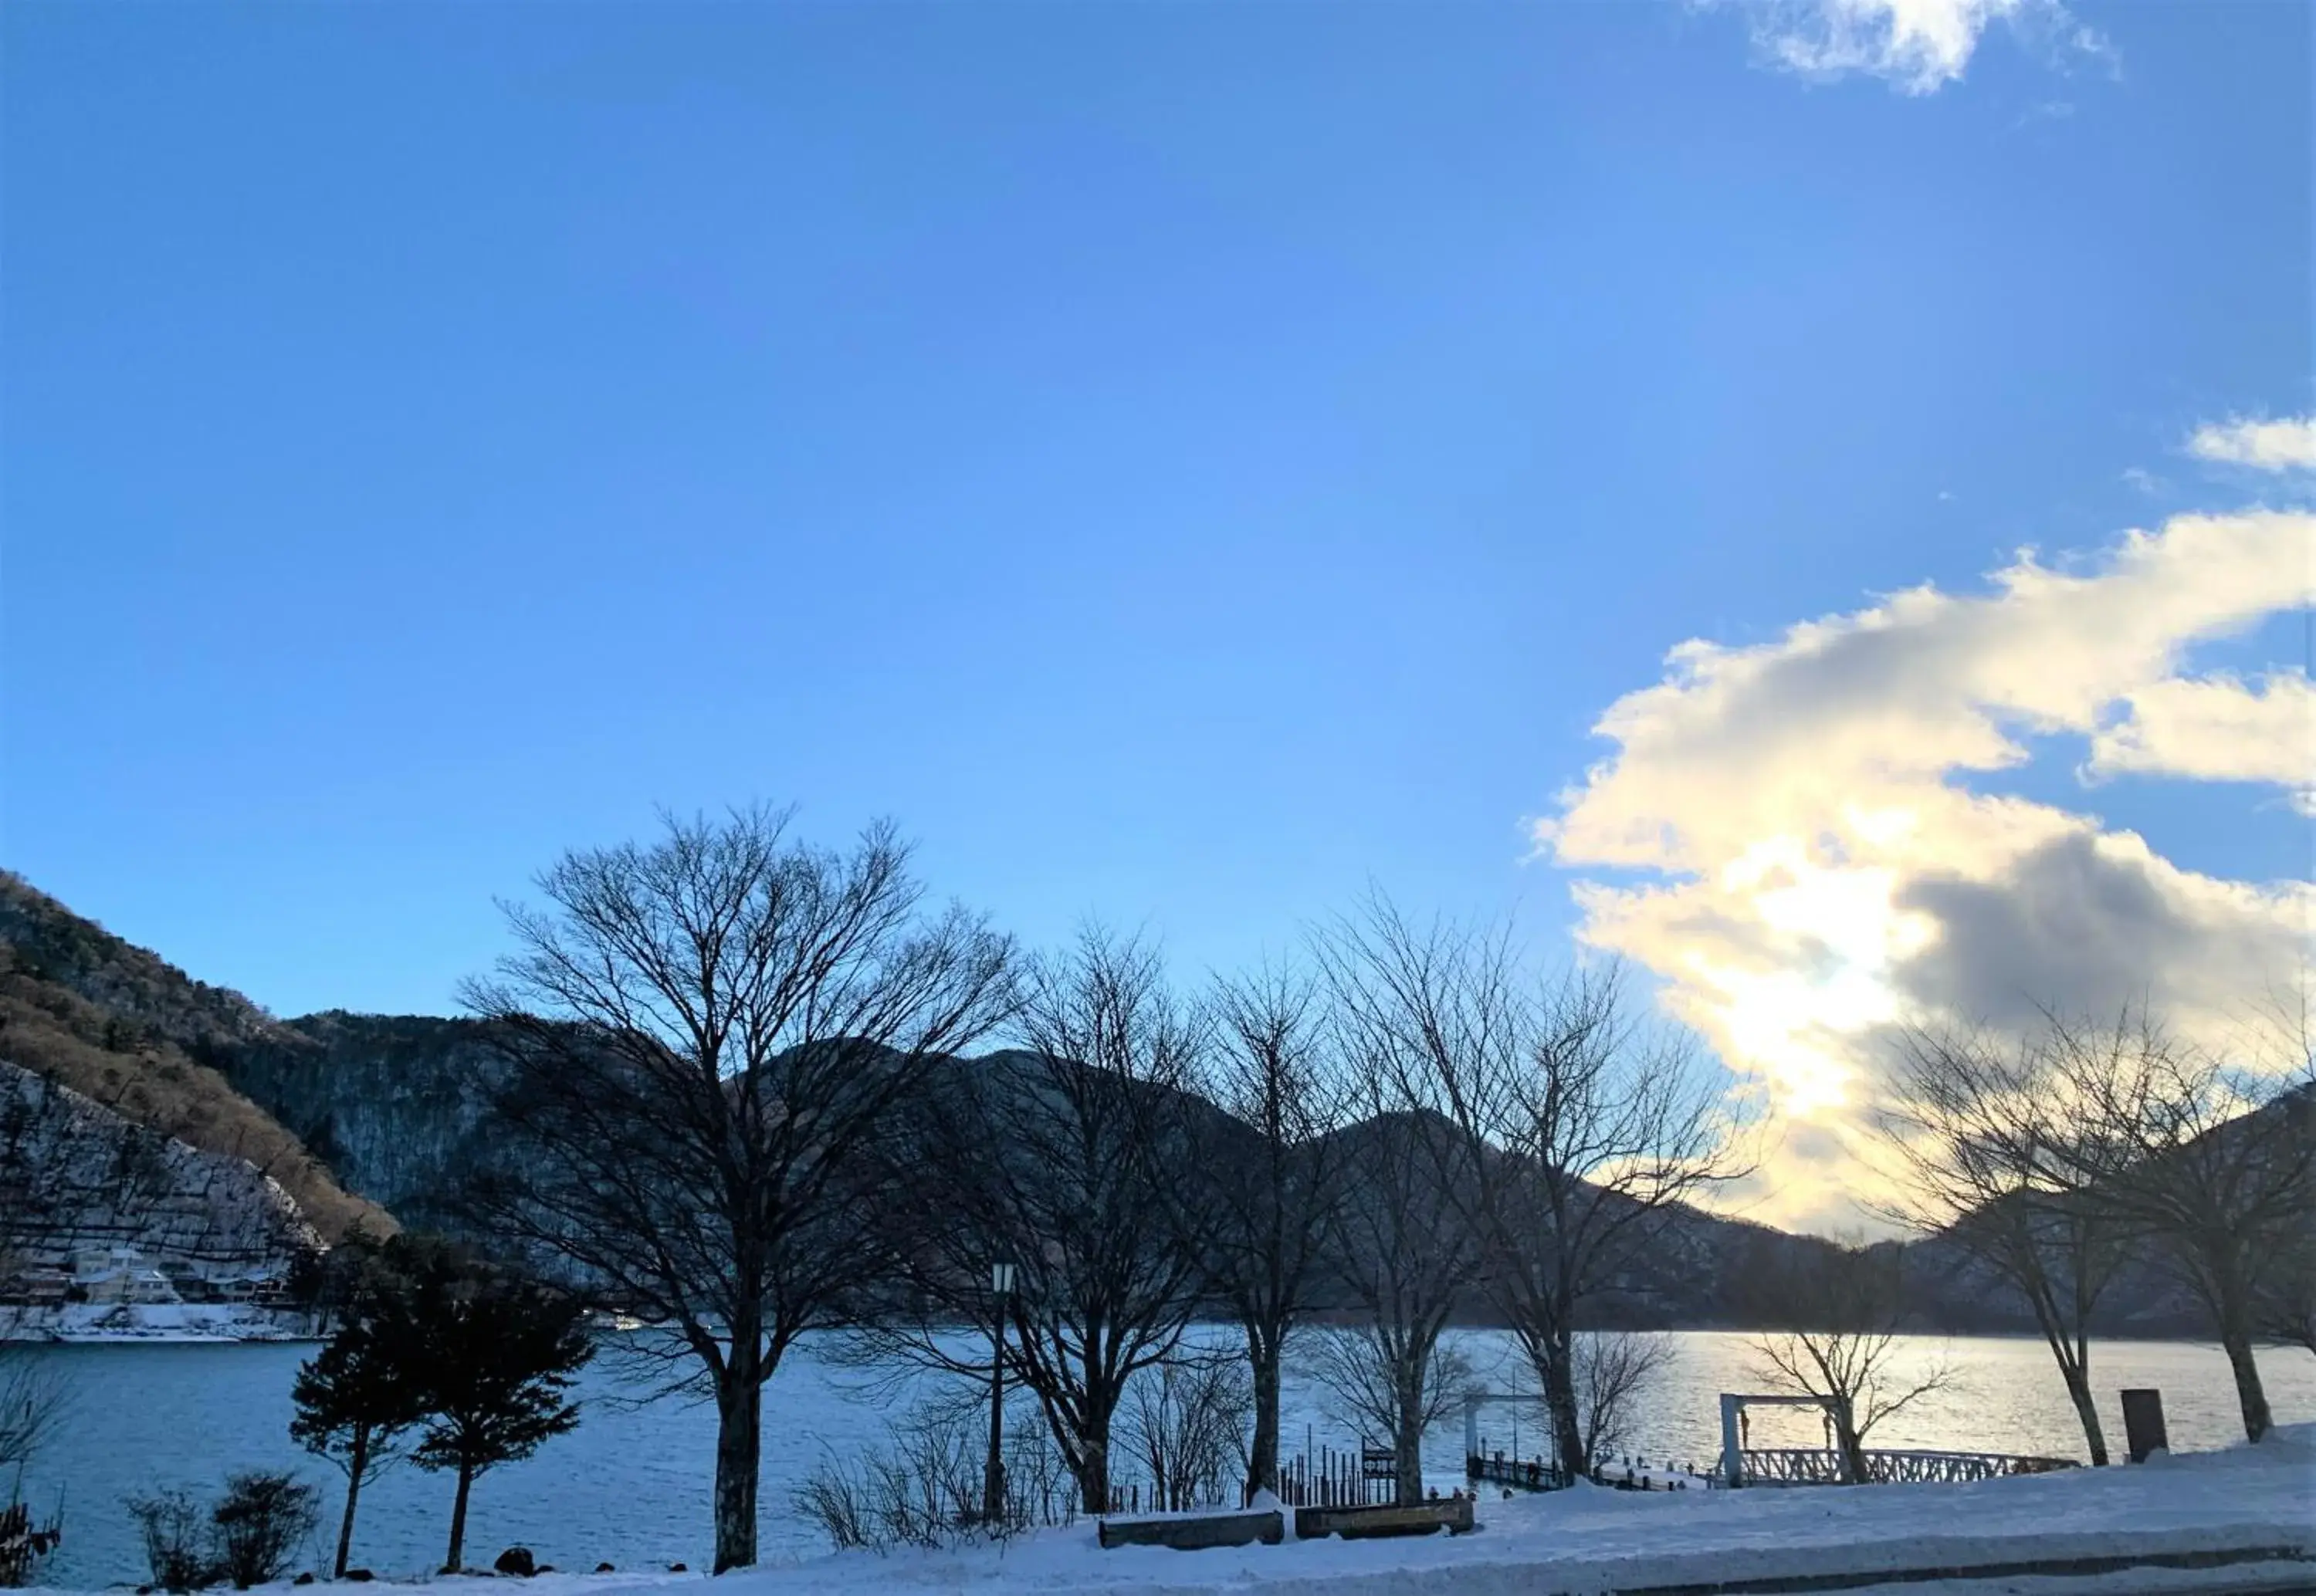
[(140, 1039), (75, 1175)]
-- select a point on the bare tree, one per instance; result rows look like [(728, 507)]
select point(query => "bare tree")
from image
[(2215, 1161), (709, 1039), (1273, 1178), (1580, 1134), (1837, 1310), (1614, 1371), (1972, 1130), (1375, 1372), (1187, 1423), (2287, 1298), (1070, 1159), (1396, 1245), (30, 1219)]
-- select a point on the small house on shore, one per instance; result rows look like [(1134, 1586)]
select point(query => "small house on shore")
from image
[(118, 1275)]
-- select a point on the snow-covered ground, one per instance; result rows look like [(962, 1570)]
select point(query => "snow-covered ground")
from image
[(153, 1322), (2243, 1500)]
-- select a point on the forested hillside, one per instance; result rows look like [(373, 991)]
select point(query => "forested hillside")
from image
[(140, 1037), (392, 1102)]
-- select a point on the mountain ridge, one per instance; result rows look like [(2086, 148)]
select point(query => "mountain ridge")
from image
[(380, 1118)]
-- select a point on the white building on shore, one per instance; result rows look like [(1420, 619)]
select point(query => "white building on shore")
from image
[(120, 1275)]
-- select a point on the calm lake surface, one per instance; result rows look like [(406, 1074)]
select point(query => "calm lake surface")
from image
[(630, 1486)]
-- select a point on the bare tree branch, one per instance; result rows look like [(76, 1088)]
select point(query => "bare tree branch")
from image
[(1840, 1308), (711, 1041), (1274, 1172), (1073, 1160), (1968, 1126), (1577, 1134), (2214, 1160)]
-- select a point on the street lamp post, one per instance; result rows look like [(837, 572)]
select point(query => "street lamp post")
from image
[(992, 1479)]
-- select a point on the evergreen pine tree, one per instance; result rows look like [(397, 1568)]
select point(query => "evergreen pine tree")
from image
[(358, 1397), (493, 1356)]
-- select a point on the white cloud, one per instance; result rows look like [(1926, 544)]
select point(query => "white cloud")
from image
[(1918, 46), (1822, 876), (2216, 728), (2285, 445)]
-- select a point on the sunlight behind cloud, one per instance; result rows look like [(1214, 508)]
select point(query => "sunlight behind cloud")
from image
[(1822, 876), (1918, 46)]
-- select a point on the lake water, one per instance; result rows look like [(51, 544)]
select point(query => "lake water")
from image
[(630, 1486)]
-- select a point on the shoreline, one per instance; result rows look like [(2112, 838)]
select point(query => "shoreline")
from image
[(172, 1324), (204, 1323), (2196, 1521)]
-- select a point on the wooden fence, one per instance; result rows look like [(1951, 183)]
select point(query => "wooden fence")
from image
[(1364, 1477), (20, 1545)]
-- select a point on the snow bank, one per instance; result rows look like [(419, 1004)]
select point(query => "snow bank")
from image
[(2242, 1499)]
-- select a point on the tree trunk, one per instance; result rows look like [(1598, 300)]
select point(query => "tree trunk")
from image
[(2250, 1396), (1263, 1454), (1407, 1441), (356, 1463), (452, 1564), (1089, 1464), (1851, 1445), (2069, 1341), (2079, 1386), (1559, 1372), (739, 1448)]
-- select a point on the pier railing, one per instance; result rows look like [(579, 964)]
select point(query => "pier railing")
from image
[(1777, 1465), (1625, 1474), (1816, 1466), (1521, 1474)]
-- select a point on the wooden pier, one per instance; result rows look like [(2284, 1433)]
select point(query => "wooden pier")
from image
[(1521, 1474), (1741, 1465)]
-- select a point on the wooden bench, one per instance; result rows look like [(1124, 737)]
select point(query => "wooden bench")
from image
[(1189, 1533), (1453, 1514)]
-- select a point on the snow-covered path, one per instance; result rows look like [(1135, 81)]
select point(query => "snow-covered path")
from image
[(1589, 1540)]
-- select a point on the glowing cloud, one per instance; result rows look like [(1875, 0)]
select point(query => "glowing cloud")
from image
[(1820, 876), (1918, 46)]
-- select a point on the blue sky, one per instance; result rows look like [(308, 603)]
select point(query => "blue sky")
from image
[(1183, 461)]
